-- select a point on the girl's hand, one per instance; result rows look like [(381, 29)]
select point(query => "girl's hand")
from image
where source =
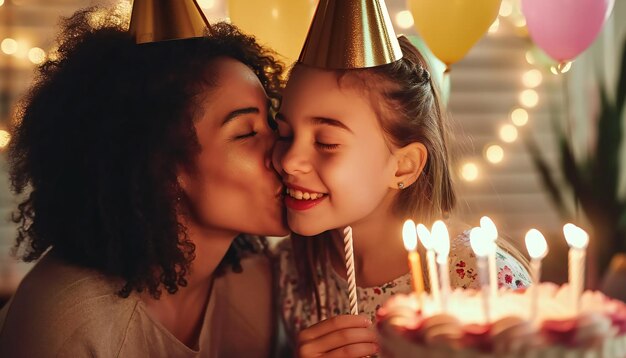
[(340, 336)]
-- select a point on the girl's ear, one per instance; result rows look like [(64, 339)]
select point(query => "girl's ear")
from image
[(410, 160)]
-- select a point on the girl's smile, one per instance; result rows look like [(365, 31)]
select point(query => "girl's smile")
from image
[(299, 198)]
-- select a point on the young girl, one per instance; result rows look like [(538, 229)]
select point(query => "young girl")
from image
[(365, 148)]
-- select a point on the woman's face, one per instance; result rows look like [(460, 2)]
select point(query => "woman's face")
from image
[(234, 188), (332, 156)]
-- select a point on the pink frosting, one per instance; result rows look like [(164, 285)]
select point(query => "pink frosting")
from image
[(601, 319)]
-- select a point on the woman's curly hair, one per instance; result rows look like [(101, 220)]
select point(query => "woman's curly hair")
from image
[(98, 141)]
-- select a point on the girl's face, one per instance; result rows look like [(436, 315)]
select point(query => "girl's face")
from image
[(234, 188), (332, 156)]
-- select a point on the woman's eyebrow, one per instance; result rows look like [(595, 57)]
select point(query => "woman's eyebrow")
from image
[(240, 112)]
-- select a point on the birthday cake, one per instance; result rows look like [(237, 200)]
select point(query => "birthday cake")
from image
[(597, 330)]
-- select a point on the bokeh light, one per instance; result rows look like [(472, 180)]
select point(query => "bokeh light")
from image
[(469, 171), (519, 117), (495, 26), (9, 46), (5, 138), (506, 9), (508, 133), (36, 55), (404, 19), (529, 98), (494, 154), (532, 78)]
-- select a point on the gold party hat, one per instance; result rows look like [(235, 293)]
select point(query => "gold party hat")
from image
[(349, 34), (161, 20)]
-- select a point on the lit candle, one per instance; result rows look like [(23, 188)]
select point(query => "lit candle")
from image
[(480, 244), (349, 258), (409, 236), (577, 239), (491, 233), (537, 249), (426, 239), (441, 239)]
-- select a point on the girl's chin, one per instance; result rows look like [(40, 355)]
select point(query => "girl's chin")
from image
[(305, 230)]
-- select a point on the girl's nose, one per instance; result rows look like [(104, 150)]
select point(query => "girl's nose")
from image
[(294, 159)]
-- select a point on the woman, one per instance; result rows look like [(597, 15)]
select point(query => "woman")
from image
[(142, 164)]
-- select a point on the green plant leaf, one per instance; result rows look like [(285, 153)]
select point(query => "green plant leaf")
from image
[(622, 219), (606, 161), (621, 84), (582, 190), (547, 178)]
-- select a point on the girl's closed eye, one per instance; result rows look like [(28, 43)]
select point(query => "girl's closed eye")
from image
[(326, 146), (327, 141)]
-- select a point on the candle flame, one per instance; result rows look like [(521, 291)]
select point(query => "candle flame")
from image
[(409, 235), (489, 228), (536, 244), (575, 236), (424, 236), (441, 240), (479, 242)]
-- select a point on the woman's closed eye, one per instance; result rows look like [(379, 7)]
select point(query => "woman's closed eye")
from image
[(246, 135)]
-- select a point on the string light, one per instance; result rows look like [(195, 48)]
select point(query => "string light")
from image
[(36, 55), (469, 171), (9, 46), (508, 133), (494, 154), (5, 138), (495, 26), (404, 19), (519, 117), (532, 78), (529, 98), (506, 9), (1, 2)]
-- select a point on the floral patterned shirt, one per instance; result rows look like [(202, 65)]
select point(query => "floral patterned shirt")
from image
[(298, 314)]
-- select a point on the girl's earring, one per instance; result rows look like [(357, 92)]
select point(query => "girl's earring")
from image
[(400, 185)]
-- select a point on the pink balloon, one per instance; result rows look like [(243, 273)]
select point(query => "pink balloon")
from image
[(564, 28)]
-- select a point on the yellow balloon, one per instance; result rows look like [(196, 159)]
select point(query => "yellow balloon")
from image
[(451, 27), (279, 24)]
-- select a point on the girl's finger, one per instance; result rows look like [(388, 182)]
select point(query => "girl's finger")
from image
[(336, 340), (332, 324)]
